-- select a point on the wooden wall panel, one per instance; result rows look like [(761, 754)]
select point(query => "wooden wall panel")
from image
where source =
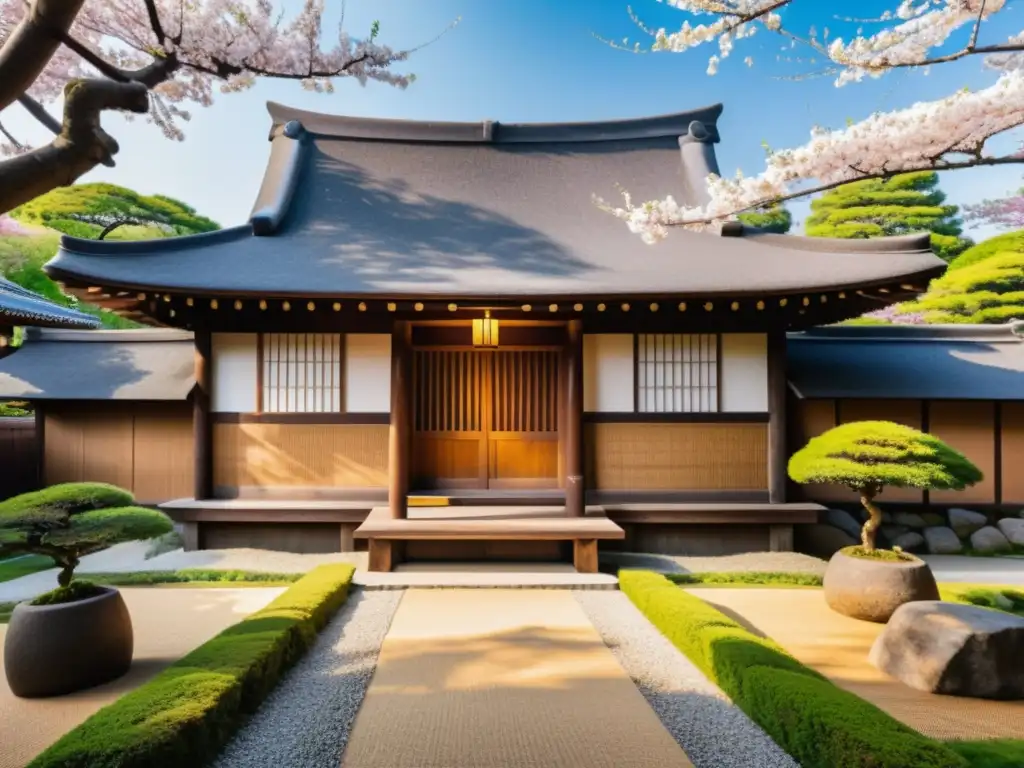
[(452, 459), (1012, 453), (810, 418), (969, 427), (512, 460), (899, 411), (19, 456), (164, 450), (647, 457), (305, 455)]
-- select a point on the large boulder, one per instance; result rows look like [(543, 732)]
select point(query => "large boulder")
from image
[(844, 521), (1013, 529), (933, 519), (820, 540), (953, 649), (965, 521), (989, 540), (909, 519), (871, 589), (942, 541), (909, 542)]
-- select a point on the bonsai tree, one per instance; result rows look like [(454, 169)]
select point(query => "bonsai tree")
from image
[(71, 520), (867, 456)]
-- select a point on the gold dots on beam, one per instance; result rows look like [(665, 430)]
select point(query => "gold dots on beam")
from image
[(263, 304), (552, 308), (213, 304), (527, 307), (189, 302), (823, 299), (842, 294), (362, 306), (806, 301), (141, 297), (883, 290), (418, 306), (783, 302), (336, 306), (392, 306), (682, 306), (625, 307), (578, 307), (238, 304), (171, 313), (708, 306), (601, 307), (286, 306), (654, 306), (310, 306), (760, 306), (167, 298), (453, 307), (907, 287), (734, 306)]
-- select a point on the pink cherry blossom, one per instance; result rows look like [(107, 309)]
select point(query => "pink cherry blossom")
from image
[(1007, 212)]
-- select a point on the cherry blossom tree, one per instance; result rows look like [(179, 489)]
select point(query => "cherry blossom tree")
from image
[(947, 134), (157, 58), (1006, 212)]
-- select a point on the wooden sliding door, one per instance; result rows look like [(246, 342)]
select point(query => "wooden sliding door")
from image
[(485, 419)]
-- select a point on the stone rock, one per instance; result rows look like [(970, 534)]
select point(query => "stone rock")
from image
[(888, 534), (989, 540), (909, 542), (844, 521), (820, 540), (909, 519), (953, 649), (871, 590), (965, 521), (933, 519), (1013, 529), (942, 540)]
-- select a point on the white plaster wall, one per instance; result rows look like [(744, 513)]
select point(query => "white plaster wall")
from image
[(367, 373), (234, 373), (745, 372), (607, 372)]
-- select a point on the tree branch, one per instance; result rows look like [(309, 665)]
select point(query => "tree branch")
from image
[(38, 111), (32, 44), (81, 145)]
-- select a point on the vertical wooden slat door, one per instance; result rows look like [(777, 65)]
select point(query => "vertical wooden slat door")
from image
[(485, 419)]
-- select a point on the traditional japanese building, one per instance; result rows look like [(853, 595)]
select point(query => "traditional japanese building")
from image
[(428, 336), (21, 307)]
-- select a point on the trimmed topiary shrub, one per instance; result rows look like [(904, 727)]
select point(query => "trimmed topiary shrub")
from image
[(186, 714), (867, 456), (988, 291), (818, 723), (66, 522)]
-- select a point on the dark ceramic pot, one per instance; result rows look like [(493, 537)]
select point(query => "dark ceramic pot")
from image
[(56, 649), (872, 590)]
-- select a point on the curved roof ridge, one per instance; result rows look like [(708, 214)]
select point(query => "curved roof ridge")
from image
[(20, 306), (1004, 332), (69, 244), (918, 242), (37, 335), (495, 132)]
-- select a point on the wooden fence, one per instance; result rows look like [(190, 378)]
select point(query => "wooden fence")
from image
[(19, 456)]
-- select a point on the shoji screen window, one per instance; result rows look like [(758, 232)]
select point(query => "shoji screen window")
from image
[(677, 372), (301, 373)]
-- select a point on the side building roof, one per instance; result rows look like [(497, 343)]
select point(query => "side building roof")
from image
[(144, 364), (20, 306), (931, 362), (403, 210)]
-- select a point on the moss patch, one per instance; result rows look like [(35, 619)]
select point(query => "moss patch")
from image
[(185, 715), (72, 593), (747, 579), (194, 576), (1008, 599), (887, 555)]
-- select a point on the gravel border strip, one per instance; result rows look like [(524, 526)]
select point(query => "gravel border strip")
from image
[(306, 721), (713, 731)]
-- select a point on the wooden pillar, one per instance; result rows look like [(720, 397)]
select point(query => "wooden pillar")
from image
[(399, 436), (202, 424), (778, 456), (575, 487)]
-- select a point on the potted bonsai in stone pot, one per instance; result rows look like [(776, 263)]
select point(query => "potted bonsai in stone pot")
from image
[(79, 635), (866, 456)]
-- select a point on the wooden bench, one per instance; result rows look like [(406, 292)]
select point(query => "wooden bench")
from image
[(386, 535)]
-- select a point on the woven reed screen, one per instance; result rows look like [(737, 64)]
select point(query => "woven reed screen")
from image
[(649, 457)]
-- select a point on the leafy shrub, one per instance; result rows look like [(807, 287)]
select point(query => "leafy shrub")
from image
[(867, 456), (1009, 242), (819, 724), (991, 753), (71, 520), (988, 291), (767, 578), (186, 714)]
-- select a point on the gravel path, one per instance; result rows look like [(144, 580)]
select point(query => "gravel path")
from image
[(791, 562), (306, 722), (712, 731)]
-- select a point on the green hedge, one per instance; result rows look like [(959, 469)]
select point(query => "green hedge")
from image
[(991, 753), (819, 724), (186, 714)]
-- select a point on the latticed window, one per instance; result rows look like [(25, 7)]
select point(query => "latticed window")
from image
[(677, 372), (301, 373)]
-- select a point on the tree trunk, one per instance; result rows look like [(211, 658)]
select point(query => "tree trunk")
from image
[(867, 534), (67, 570)]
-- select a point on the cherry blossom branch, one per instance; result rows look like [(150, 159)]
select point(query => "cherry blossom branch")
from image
[(1008, 212)]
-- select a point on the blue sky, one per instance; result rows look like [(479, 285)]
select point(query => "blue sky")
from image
[(538, 60)]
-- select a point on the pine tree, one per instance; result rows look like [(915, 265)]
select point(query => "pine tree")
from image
[(775, 219), (911, 202)]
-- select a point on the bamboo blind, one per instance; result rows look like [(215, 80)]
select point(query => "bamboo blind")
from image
[(301, 372), (677, 372)]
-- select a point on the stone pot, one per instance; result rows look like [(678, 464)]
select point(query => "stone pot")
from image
[(872, 590), (51, 650)]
